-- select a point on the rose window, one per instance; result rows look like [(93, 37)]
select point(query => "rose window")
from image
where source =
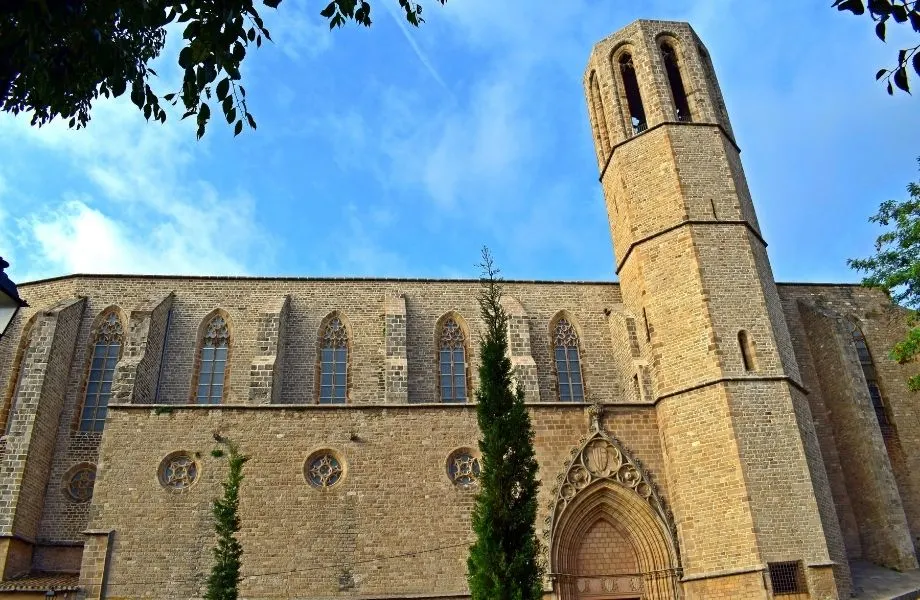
[(323, 469), (80, 485), (463, 467), (178, 472)]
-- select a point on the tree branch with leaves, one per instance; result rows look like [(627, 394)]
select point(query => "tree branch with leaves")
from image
[(883, 12), (57, 57), (895, 268)]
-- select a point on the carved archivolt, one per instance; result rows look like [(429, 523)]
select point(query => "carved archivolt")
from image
[(601, 457)]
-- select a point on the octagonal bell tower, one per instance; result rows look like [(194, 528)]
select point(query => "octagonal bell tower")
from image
[(745, 478)]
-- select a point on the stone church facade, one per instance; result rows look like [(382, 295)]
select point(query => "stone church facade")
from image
[(701, 431)]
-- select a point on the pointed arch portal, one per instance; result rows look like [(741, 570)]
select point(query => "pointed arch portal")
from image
[(611, 535)]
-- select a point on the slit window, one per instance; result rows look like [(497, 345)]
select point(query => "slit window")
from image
[(212, 364), (675, 82), (633, 96), (105, 354), (568, 363), (333, 366), (747, 351)]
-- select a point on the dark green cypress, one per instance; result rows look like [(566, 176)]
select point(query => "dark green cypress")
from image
[(224, 581), (503, 562)]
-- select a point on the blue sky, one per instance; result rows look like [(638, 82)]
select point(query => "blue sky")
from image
[(387, 152)]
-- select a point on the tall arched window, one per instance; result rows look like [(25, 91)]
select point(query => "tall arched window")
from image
[(333, 365), (212, 361), (107, 343), (675, 82), (452, 361), (568, 363), (601, 135), (868, 368), (19, 372), (633, 96)]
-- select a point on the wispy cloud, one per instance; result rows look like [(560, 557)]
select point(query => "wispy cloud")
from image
[(410, 38)]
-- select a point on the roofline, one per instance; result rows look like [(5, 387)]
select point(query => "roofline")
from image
[(75, 276)]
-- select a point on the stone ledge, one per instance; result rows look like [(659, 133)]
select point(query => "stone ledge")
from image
[(167, 408)]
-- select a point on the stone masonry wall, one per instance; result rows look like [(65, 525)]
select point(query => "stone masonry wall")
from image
[(372, 533), (244, 299)]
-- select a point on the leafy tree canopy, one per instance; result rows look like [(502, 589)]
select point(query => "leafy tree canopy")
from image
[(58, 56), (884, 12), (896, 267)]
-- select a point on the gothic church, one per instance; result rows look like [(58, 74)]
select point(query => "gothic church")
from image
[(702, 431)]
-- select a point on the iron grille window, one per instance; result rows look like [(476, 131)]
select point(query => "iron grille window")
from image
[(334, 363), (568, 364), (106, 351), (452, 359), (212, 366), (787, 578)]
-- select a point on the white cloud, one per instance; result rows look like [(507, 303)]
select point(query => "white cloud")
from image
[(141, 206)]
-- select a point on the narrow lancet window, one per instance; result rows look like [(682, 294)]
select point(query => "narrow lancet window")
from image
[(601, 135), (875, 392), (633, 96), (333, 366), (452, 361), (568, 363), (212, 365), (676, 82), (105, 354), (747, 351)]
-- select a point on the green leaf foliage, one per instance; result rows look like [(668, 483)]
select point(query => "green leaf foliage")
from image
[(57, 58), (503, 562), (895, 267), (905, 12), (223, 583)]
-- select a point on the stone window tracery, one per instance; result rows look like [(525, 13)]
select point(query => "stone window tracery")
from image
[(106, 352), (333, 383), (463, 467), (80, 483), (178, 471), (452, 361), (212, 363), (323, 469), (568, 362)]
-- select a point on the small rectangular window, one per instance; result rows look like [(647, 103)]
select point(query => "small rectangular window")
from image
[(787, 578)]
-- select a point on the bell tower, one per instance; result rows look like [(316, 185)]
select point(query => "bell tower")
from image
[(745, 479)]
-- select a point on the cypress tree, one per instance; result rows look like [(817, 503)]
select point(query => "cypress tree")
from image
[(223, 583), (503, 562)]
